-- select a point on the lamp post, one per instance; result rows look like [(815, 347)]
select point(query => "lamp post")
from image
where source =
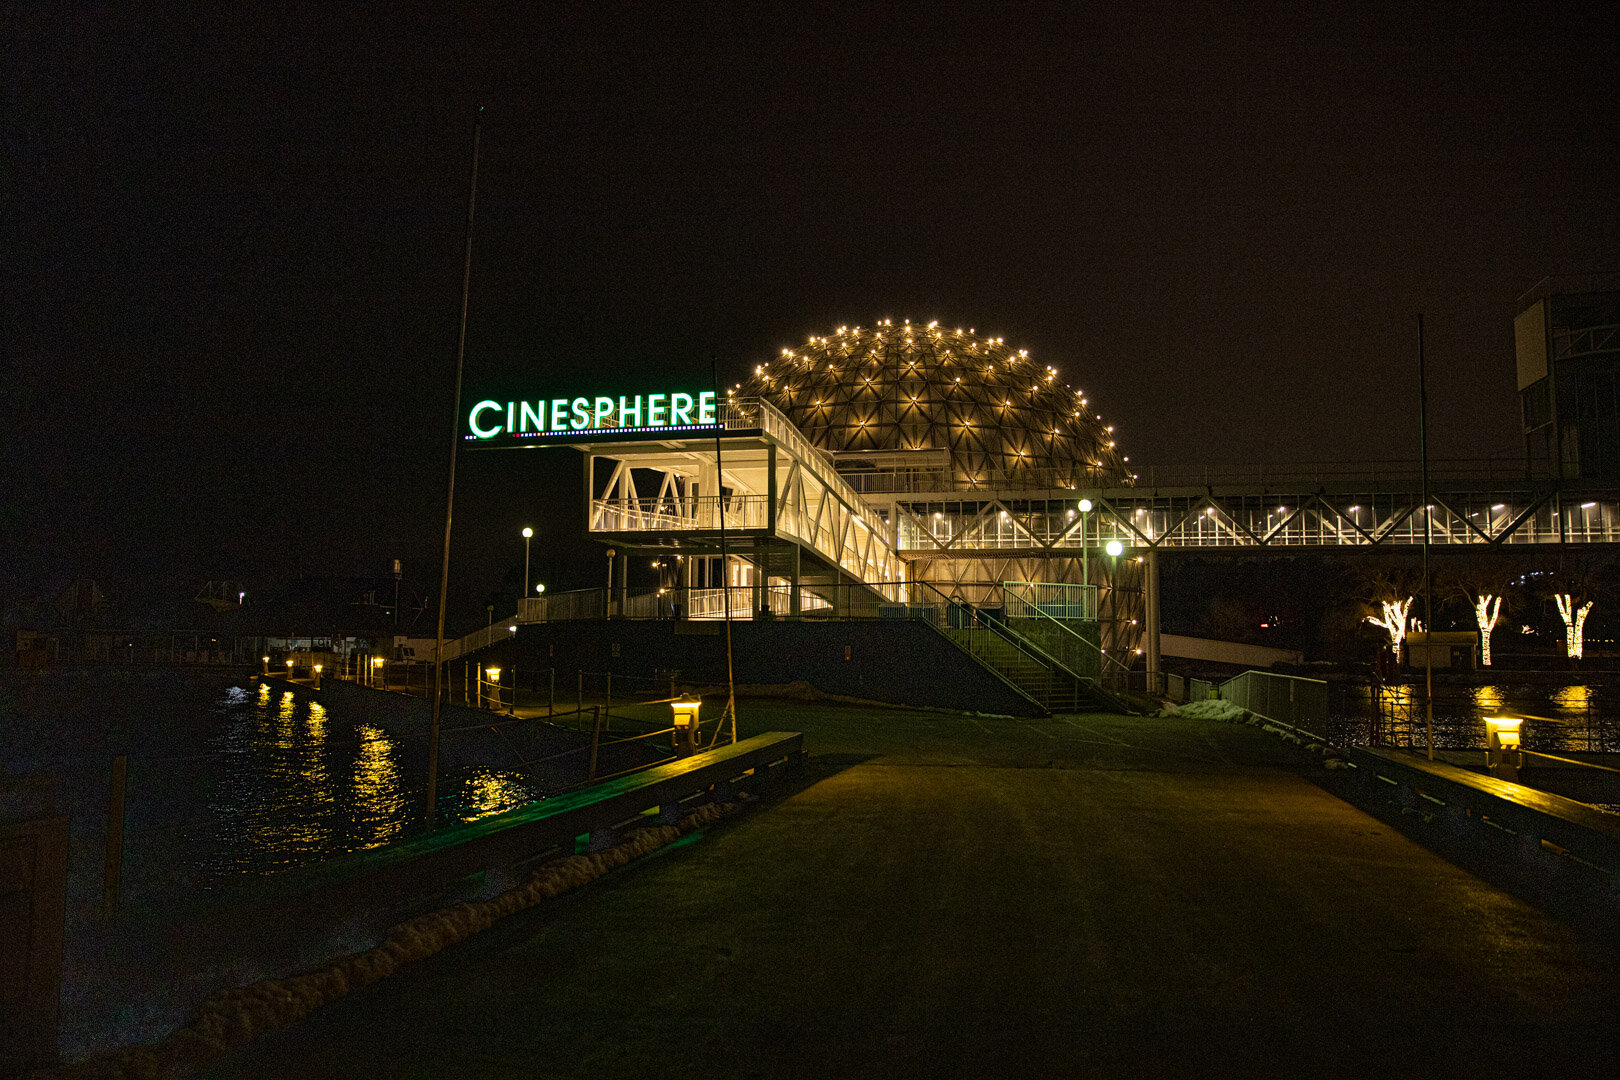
[(1085, 556), (527, 534), (1114, 549)]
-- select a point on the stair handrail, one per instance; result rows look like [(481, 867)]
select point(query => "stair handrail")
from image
[(1004, 632), (1103, 657)]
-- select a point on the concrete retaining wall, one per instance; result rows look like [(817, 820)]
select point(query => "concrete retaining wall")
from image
[(899, 662)]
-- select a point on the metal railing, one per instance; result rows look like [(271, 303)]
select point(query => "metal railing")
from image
[(696, 513), (1059, 600), (1288, 699), (1075, 652), (813, 504), (1021, 661)]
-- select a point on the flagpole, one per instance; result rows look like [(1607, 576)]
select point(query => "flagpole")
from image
[(1428, 528), (450, 497)]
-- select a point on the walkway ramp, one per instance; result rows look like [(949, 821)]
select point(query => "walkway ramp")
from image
[(958, 897)]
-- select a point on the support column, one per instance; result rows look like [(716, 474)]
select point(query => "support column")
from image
[(1150, 590), (795, 603)]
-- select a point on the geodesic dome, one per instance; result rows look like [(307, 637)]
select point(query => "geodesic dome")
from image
[(1006, 420)]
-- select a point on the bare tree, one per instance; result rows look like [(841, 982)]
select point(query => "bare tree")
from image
[(1483, 580), (1389, 590), (1580, 580)]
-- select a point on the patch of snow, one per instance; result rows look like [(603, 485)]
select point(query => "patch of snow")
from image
[(1208, 710)]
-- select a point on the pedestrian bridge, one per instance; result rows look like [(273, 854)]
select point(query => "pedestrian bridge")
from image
[(1369, 504), (756, 490)]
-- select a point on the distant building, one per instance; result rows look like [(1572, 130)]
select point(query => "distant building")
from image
[(1567, 340)]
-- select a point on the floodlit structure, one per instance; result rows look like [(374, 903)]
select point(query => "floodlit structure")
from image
[(871, 468), (929, 471), (974, 455)]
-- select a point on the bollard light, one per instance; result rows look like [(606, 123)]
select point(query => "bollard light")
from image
[(1504, 731), (1502, 747), (686, 722)]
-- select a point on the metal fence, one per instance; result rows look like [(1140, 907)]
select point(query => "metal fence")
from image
[(1060, 601), (1288, 699), (1179, 688)]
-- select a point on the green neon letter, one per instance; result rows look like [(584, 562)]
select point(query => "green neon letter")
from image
[(630, 412), (655, 410), (531, 414), (582, 414), (680, 408), (472, 420), (706, 407), (604, 408), (559, 413)]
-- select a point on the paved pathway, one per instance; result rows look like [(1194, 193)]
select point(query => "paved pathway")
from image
[(956, 897)]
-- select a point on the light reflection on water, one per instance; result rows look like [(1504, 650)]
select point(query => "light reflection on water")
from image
[(1576, 717), (286, 783)]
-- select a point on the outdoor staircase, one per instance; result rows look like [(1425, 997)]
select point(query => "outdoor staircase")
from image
[(1041, 679)]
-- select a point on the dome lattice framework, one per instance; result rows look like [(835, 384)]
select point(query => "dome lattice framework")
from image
[(1007, 421)]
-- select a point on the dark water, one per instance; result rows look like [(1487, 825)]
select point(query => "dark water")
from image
[(1560, 718), (228, 781), (225, 779), (285, 782)]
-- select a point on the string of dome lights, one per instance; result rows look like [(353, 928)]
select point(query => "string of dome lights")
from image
[(922, 387)]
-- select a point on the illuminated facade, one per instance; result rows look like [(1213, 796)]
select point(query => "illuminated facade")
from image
[(973, 454)]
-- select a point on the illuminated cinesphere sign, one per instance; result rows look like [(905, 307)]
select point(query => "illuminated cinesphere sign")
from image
[(492, 421)]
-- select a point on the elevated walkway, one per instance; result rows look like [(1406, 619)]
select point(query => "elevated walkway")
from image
[(758, 491)]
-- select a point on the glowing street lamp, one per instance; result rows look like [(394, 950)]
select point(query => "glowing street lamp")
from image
[(1085, 551), (528, 534)]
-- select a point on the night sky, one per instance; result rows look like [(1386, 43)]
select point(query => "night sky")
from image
[(233, 241)]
